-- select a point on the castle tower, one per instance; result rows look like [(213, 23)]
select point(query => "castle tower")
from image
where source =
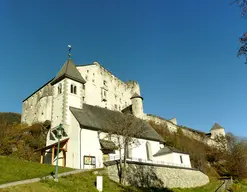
[(217, 130), (137, 105), (67, 91)]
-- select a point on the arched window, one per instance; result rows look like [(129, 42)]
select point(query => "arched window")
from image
[(72, 89), (149, 151), (59, 88)]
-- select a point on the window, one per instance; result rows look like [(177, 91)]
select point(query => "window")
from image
[(87, 71), (181, 159), (59, 88), (93, 80), (86, 77), (149, 151), (104, 83), (83, 86), (72, 89), (104, 94), (116, 106), (83, 98)]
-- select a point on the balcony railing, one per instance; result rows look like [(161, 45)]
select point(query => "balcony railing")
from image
[(117, 157)]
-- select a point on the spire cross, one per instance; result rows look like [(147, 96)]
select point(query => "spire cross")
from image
[(69, 49)]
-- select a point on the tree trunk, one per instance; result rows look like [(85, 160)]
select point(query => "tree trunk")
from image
[(125, 158), (120, 162), (125, 151)]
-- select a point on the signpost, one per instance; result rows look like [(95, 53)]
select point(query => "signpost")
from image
[(99, 183)]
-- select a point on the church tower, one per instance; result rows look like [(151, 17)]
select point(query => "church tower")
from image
[(137, 105), (68, 91)]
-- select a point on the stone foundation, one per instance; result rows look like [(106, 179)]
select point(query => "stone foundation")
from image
[(144, 175)]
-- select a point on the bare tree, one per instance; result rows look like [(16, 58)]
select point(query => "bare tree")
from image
[(236, 159), (124, 130), (243, 39)]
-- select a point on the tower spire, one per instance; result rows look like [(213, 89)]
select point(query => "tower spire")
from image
[(69, 50)]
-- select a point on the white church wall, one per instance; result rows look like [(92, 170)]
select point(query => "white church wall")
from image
[(73, 153), (90, 146), (174, 159), (167, 158), (181, 159)]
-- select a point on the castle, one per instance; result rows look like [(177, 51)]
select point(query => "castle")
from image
[(101, 88), (81, 98)]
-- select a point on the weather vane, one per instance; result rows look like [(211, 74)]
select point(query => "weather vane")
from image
[(69, 49)]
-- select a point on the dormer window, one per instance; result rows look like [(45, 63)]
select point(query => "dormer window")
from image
[(59, 88), (72, 89)]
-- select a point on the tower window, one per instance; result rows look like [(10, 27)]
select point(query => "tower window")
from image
[(72, 89), (59, 88), (181, 159)]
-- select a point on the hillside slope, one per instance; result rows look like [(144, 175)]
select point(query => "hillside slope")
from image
[(10, 117)]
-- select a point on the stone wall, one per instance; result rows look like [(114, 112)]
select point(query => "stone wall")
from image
[(145, 175)]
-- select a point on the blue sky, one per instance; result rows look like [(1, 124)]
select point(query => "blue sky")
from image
[(182, 53)]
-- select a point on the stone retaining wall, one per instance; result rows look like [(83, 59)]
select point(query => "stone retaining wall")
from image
[(159, 176)]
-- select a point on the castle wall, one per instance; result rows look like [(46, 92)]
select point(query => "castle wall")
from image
[(37, 107), (102, 89), (159, 121), (105, 90), (200, 136)]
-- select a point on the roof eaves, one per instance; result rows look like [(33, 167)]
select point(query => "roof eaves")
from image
[(69, 77)]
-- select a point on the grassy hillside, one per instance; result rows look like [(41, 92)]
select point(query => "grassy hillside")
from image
[(10, 118), (12, 169)]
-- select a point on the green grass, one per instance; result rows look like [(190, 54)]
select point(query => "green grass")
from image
[(86, 182), (12, 169), (211, 187), (80, 182)]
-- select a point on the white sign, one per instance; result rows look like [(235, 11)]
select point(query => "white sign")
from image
[(99, 183)]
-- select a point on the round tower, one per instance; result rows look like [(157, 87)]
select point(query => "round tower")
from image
[(217, 131), (137, 105)]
